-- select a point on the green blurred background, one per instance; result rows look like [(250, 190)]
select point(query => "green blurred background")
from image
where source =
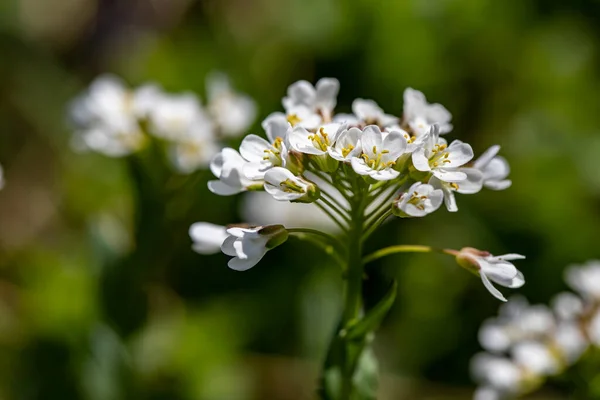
[(102, 298)]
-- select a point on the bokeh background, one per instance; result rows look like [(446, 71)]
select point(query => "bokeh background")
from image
[(102, 298)]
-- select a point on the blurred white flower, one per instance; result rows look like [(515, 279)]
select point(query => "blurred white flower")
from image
[(420, 199), (232, 112), (367, 112), (419, 115), (535, 357), (207, 238), (487, 393), (495, 169), (320, 99), (174, 116), (105, 120), (492, 268), (248, 246), (497, 372), (567, 306), (585, 279), (569, 341)]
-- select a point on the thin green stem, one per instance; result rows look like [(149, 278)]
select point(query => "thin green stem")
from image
[(332, 199), (333, 207), (405, 248), (327, 248), (330, 215), (329, 238), (372, 227)]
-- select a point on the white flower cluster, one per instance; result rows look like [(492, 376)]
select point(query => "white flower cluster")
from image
[(114, 120), (527, 343), (309, 140)]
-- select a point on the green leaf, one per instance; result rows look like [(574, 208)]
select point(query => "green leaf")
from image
[(371, 321)]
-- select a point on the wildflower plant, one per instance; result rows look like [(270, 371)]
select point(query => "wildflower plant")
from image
[(359, 170)]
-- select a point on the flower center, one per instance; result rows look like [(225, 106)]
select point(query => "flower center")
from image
[(293, 119), (347, 150), (377, 162), (273, 155), (417, 200), (439, 156), (320, 140), (290, 186)]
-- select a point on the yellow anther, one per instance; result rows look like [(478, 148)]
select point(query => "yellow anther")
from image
[(454, 186), (374, 149), (384, 151), (293, 119), (446, 155), (447, 162), (346, 150)]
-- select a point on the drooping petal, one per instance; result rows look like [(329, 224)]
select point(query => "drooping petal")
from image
[(449, 175), (488, 285), (227, 247), (222, 189), (239, 264)]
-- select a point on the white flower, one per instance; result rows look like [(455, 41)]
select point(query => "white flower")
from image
[(495, 169), (284, 186), (232, 112), (420, 200), (369, 113), (470, 185), (440, 159), (535, 357), (420, 115), (248, 246), (105, 118), (262, 154), (320, 99), (585, 279), (491, 268), (346, 144), (317, 143), (173, 117), (207, 237), (379, 154), (498, 372), (228, 166), (567, 306)]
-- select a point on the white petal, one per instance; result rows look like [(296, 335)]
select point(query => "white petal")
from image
[(238, 264), (384, 175), (395, 143), (473, 182), (498, 185), (277, 175), (488, 285), (449, 175), (327, 91), (459, 154), (253, 148), (227, 246), (360, 167), (420, 161), (223, 189), (276, 125), (510, 257), (486, 157), (299, 141)]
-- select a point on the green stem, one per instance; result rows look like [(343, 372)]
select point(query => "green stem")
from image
[(405, 248), (327, 248), (333, 207), (330, 215), (332, 240), (372, 227)]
